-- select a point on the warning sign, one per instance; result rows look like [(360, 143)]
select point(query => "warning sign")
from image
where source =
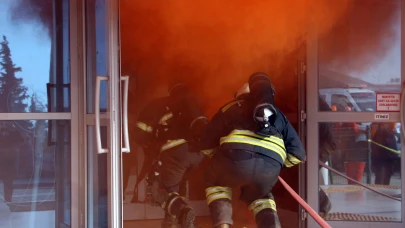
[(388, 102)]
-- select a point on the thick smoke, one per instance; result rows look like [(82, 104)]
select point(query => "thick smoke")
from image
[(33, 11), (215, 45)]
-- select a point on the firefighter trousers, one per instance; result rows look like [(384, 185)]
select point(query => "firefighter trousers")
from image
[(176, 164), (255, 174)]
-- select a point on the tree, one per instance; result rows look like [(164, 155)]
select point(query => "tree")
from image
[(12, 91)]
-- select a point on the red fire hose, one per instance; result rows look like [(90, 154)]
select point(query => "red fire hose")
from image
[(311, 211), (363, 185)]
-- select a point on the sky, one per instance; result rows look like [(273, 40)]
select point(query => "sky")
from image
[(30, 49)]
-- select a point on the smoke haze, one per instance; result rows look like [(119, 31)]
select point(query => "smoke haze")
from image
[(215, 45)]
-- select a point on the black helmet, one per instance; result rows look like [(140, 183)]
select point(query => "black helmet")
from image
[(260, 80), (178, 88)]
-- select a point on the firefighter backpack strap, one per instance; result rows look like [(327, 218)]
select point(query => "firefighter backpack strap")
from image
[(217, 192), (261, 204)]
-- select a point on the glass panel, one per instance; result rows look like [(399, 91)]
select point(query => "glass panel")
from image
[(35, 183), (371, 157), (360, 59), (97, 51), (97, 180), (34, 56)]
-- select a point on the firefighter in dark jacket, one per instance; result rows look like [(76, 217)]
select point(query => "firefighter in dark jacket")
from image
[(249, 141), (173, 124)]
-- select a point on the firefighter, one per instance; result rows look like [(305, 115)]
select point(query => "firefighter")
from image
[(249, 141), (168, 128)]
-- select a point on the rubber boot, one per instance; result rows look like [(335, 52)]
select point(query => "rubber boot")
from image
[(187, 217), (169, 222), (267, 218)]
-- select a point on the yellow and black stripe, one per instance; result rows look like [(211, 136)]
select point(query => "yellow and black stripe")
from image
[(291, 161), (209, 152), (230, 104), (258, 205), (144, 127), (217, 192), (171, 144), (244, 139)]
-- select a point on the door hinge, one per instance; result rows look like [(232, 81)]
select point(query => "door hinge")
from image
[(303, 115), (304, 214), (303, 67)]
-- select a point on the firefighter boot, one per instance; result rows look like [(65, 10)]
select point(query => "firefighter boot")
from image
[(223, 226), (187, 217), (177, 207), (169, 222), (267, 218)]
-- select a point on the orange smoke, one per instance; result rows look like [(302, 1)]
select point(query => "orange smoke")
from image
[(215, 45)]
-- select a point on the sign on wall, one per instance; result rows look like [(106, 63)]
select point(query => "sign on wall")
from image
[(388, 102)]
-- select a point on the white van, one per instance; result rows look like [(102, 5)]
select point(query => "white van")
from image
[(351, 99)]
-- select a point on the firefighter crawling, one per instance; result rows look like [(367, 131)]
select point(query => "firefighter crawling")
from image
[(249, 141), (173, 125)]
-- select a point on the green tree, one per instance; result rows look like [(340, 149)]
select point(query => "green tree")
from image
[(12, 91)]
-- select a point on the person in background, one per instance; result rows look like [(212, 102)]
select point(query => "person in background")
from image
[(169, 129), (327, 146), (384, 158)]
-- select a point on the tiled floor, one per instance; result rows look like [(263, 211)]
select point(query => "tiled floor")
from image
[(357, 201), (365, 202), (288, 220)]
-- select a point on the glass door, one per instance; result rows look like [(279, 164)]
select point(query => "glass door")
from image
[(103, 114), (354, 117), (38, 110)]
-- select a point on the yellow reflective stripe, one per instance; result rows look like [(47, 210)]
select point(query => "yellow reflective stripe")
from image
[(196, 119), (288, 164), (211, 190), (256, 142), (261, 204), (165, 118), (172, 143), (230, 105), (292, 159), (209, 152), (218, 192), (143, 126), (273, 139)]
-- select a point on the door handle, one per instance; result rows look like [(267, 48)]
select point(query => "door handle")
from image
[(100, 148), (126, 148)]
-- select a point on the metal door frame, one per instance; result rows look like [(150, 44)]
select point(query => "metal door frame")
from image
[(314, 117), (111, 118)]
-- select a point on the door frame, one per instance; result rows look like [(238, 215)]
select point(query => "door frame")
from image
[(111, 119), (314, 117)]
